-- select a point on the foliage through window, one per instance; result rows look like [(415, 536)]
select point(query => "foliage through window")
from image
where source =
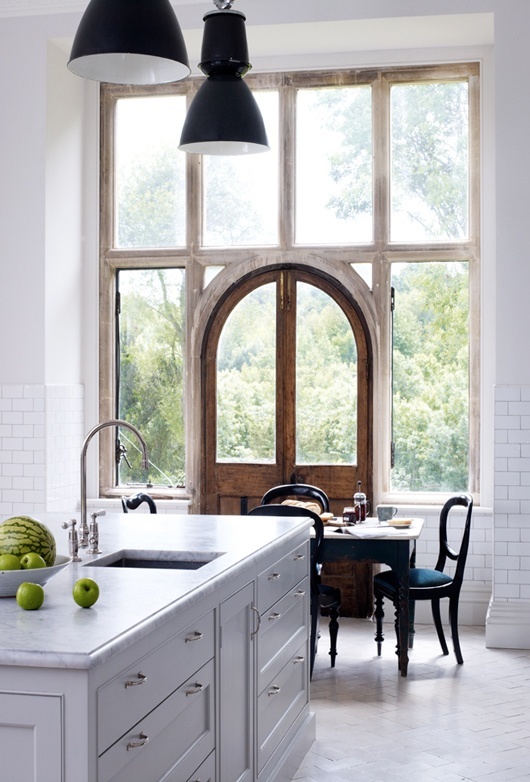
[(375, 170), (151, 371)]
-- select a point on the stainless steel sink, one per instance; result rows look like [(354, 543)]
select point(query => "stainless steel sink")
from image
[(164, 560)]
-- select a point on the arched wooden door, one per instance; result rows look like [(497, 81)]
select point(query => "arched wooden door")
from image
[(286, 379)]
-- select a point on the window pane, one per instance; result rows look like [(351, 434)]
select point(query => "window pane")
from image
[(246, 380), (237, 210), (431, 377), (334, 165), (150, 172), (326, 381), (429, 162), (151, 373)]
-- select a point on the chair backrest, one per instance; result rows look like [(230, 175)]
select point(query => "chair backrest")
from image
[(446, 552), (293, 510), (135, 500), (297, 490)]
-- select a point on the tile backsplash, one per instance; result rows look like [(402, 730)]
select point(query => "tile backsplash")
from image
[(41, 433), (511, 574)]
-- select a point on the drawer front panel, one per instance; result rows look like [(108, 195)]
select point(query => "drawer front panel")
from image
[(206, 773), (283, 576), (284, 627), (140, 688), (184, 720), (280, 703)]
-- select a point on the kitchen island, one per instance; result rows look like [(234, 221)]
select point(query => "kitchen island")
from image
[(178, 674)]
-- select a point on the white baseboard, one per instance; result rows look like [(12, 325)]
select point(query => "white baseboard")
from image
[(508, 624)]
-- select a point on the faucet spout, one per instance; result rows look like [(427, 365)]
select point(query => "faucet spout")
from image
[(104, 424)]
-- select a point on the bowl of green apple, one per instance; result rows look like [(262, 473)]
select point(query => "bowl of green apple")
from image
[(29, 567)]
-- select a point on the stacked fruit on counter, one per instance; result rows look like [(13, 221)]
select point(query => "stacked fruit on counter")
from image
[(27, 544)]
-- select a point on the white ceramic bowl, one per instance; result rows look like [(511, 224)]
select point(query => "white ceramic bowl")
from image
[(10, 580)]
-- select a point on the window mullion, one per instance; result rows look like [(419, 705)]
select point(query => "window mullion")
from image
[(287, 163), (381, 158)]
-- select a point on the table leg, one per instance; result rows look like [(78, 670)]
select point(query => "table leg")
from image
[(403, 608)]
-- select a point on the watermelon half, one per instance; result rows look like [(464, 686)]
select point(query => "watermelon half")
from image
[(21, 534)]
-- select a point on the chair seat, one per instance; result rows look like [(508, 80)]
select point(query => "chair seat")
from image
[(419, 578), (329, 597)]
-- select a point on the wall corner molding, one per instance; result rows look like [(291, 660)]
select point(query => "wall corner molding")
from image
[(508, 624)]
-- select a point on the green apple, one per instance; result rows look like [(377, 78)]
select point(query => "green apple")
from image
[(85, 592), (31, 560), (9, 562), (30, 596)]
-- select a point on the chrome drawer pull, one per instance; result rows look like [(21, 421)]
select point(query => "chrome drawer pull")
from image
[(195, 689), (253, 633), (299, 659), (195, 636), (274, 690), (141, 680), (274, 577), (300, 593), (273, 616), (134, 744), (299, 556)]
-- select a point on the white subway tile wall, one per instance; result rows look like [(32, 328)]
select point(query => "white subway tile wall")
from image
[(64, 439), (511, 545), (41, 432)]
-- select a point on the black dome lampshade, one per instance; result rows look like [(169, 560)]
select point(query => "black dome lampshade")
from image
[(224, 117), (129, 42)]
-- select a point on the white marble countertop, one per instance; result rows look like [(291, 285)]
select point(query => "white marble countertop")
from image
[(132, 601)]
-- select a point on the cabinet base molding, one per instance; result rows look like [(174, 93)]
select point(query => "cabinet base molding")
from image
[(297, 742)]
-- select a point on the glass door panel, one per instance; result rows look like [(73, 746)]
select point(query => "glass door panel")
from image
[(246, 380), (326, 380)]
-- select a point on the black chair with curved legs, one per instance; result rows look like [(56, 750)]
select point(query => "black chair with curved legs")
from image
[(433, 585), (133, 502), (322, 595)]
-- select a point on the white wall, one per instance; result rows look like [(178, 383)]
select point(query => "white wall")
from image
[(48, 219)]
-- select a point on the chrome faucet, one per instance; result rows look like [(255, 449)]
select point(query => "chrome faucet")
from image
[(145, 464)]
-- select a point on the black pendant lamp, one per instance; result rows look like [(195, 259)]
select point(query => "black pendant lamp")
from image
[(224, 117), (129, 42)]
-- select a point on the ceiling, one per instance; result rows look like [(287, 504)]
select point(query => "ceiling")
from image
[(313, 37)]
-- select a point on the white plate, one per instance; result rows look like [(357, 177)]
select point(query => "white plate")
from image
[(10, 580)]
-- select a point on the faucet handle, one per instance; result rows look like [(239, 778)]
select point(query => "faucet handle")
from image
[(73, 541), (94, 532)]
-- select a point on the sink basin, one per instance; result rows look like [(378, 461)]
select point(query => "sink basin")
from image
[(160, 560)]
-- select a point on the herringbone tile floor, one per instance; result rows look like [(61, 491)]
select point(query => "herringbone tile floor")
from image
[(443, 723)]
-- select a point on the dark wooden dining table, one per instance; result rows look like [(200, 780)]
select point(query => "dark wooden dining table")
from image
[(389, 545)]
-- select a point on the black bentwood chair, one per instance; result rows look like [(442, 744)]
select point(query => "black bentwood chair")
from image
[(133, 502), (322, 595), (302, 490), (433, 585)]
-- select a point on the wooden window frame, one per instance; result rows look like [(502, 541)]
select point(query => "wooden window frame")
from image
[(381, 253)]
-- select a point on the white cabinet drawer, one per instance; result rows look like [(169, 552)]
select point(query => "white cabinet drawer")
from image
[(171, 741), (280, 703), (283, 629), (206, 773), (277, 580), (140, 688)]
